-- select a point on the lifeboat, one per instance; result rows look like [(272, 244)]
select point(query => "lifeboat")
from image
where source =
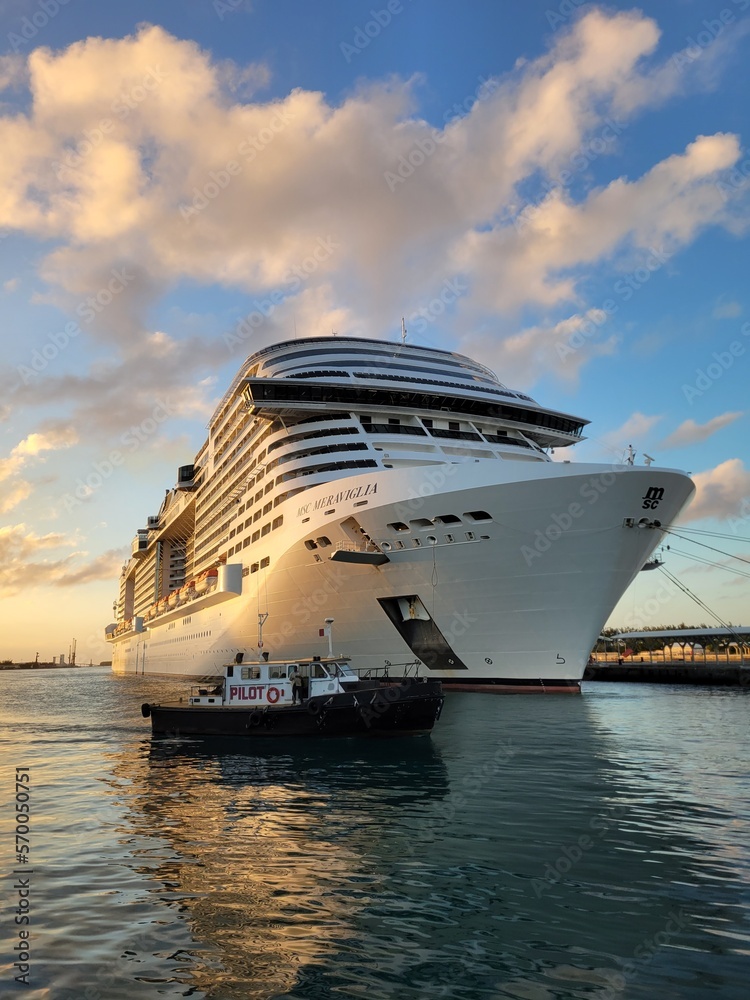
[(172, 599)]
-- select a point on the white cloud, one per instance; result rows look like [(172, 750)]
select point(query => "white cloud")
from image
[(720, 492), (33, 445), (689, 432), (636, 428)]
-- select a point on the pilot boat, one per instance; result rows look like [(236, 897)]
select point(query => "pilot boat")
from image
[(319, 696)]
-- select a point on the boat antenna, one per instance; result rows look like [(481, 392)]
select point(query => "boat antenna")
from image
[(262, 615), (403, 331), (328, 630)]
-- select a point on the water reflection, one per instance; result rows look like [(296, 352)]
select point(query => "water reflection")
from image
[(275, 855), (531, 848)]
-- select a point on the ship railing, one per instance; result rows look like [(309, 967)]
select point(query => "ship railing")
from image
[(356, 547), (388, 671)]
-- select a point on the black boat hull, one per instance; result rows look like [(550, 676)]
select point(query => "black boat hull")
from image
[(397, 709)]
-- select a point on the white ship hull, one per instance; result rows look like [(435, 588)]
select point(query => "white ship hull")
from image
[(515, 602)]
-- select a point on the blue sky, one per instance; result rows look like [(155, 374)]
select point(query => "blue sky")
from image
[(571, 178)]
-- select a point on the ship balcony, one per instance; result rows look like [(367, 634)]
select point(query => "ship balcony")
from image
[(139, 544)]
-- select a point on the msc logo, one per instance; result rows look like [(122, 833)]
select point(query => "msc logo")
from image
[(652, 497)]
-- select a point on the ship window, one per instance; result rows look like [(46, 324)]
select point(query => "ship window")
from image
[(331, 511), (365, 419), (448, 519), (233, 532), (268, 507), (256, 536), (394, 420), (241, 510), (361, 503), (231, 551), (254, 568), (269, 487), (478, 515), (265, 562), (421, 522), (257, 516), (398, 526), (264, 531), (323, 541), (454, 425), (246, 543), (248, 522), (258, 496), (276, 673), (278, 521)]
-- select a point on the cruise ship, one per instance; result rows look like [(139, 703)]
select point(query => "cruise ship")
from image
[(405, 493)]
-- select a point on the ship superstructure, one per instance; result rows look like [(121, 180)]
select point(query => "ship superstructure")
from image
[(408, 493)]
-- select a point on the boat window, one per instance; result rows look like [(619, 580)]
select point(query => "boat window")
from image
[(448, 519), (478, 515), (276, 672), (310, 544), (265, 562), (398, 526), (323, 541), (318, 671)]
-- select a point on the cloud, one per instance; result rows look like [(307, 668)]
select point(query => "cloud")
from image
[(720, 492), (33, 445), (16, 494), (727, 310), (136, 150), (637, 427), (689, 432), (560, 349), (20, 568)]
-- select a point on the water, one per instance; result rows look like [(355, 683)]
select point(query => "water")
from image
[(532, 848)]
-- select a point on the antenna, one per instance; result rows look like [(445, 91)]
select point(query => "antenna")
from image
[(403, 331), (647, 459)]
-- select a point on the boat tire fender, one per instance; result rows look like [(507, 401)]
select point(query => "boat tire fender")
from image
[(255, 720), (145, 710), (314, 707)]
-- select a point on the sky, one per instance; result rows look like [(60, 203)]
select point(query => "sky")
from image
[(560, 190)]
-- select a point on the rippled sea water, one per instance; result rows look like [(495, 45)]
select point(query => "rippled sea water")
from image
[(532, 847)]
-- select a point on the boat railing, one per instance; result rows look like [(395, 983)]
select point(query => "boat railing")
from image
[(388, 670)]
